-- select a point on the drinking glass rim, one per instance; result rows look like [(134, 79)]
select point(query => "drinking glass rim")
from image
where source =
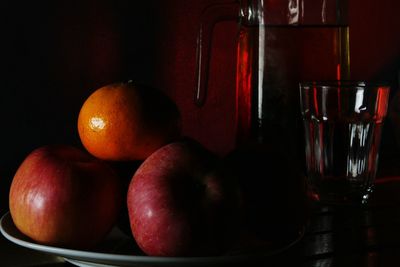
[(344, 84)]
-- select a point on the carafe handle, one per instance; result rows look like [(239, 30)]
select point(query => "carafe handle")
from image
[(211, 15)]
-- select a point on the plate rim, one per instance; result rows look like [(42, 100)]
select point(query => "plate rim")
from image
[(88, 256)]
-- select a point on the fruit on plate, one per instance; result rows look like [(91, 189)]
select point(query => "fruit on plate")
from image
[(63, 196), (125, 121), (125, 171), (179, 204)]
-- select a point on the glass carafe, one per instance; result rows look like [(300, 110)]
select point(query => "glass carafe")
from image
[(280, 43)]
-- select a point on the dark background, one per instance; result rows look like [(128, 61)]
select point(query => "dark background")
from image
[(53, 55)]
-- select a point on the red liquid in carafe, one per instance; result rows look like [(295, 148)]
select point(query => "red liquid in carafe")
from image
[(272, 60)]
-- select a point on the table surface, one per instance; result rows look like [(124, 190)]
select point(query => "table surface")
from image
[(336, 236)]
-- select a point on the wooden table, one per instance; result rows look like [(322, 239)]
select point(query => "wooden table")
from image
[(354, 236)]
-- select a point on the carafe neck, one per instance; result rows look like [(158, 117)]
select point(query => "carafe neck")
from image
[(293, 12), (251, 12)]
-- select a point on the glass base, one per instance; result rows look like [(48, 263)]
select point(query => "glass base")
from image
[(334, 198)]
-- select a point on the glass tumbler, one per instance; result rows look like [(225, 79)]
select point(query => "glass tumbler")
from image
[(343, 121)]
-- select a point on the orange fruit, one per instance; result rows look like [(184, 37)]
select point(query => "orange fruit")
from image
[(124, 121)]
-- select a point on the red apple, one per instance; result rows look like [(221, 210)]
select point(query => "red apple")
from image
[(125, 171), (178, 206), (62, 196)]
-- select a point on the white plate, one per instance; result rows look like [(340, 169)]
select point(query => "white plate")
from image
[(113, 253)]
